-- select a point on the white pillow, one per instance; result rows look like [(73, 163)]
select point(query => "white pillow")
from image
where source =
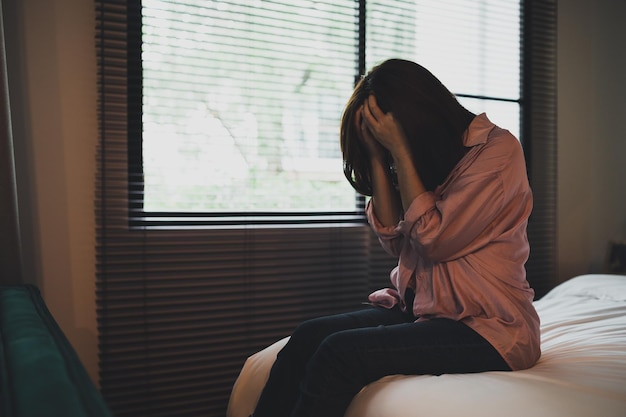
[(598, 286)]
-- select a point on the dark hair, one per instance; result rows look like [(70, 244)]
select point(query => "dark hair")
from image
[(430, 115)]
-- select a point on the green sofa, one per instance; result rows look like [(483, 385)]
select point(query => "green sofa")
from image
[(41, 375)]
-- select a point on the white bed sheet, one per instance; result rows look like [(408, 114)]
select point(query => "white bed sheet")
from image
[(581, 373)]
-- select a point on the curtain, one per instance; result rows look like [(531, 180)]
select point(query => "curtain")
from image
[(10, 260)]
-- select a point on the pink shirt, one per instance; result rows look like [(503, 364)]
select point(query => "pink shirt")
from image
[(463, 247)]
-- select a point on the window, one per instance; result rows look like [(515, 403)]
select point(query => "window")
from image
[(241, 101), (241, 105), (181, 305), (473, 47)]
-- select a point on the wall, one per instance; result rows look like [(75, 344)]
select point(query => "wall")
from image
[(50, 44), (591, 132), (52, 70)]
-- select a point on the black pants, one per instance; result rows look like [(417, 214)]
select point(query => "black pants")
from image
[(329, 359)]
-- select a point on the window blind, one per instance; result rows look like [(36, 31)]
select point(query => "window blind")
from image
[(539, 127), (181, 307), (242, 102), (473, 47)]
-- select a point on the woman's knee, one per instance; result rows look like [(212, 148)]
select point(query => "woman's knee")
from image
[(310, 331), (306, 337), (338, 351), (335, 367)]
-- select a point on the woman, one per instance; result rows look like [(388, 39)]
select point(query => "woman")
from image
[(450, 199)]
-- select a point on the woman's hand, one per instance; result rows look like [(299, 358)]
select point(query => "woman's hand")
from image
[(388, 133), (383, 128), (375, 150)]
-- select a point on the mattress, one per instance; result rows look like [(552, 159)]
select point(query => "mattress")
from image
[(582, 370)]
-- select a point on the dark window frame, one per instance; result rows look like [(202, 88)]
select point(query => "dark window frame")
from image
[(139, 218)]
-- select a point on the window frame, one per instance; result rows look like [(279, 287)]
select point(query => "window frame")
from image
[(139, 218)]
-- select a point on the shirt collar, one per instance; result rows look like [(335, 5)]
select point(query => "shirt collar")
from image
[(477, 131)]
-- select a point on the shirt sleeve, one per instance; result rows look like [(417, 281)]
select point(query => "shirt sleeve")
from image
[(389, 236)]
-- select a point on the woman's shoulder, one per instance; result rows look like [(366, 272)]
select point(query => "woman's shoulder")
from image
[(503, 137), (507, 153), (503, 144), (488, 136)]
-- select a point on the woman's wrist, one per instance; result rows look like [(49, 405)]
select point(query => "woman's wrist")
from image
[(378, 158), (402, 158)]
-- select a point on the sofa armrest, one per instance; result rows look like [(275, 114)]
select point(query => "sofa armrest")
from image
[(41, 374)]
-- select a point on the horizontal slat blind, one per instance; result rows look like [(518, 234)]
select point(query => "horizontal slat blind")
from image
[(179, 310), (242, 103), (473, 47), (539, 126), (176, 326), (484, 39)]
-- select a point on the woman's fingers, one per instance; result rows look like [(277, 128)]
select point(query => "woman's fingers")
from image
[(365, 133), (373, 116), (360, 123), (382, 127), (372, 106), (368, 111)]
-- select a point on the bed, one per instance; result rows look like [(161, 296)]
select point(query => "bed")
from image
[(582, 370)]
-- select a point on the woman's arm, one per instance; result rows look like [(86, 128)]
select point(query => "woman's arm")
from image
[(409, 180), (490, 197), (385, 199), (388, 134)]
